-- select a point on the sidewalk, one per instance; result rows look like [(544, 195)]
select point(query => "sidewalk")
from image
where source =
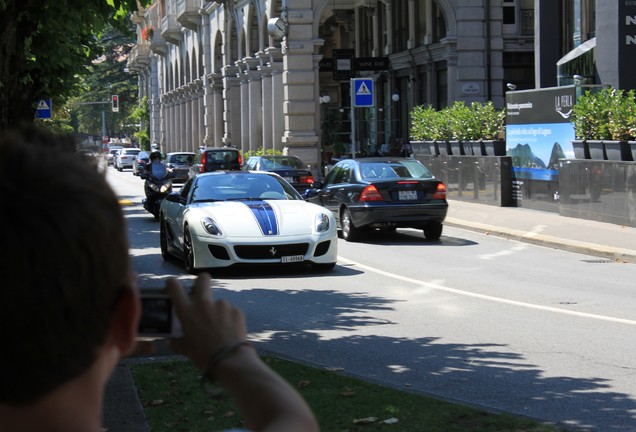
[(610, 241), (123, 411)]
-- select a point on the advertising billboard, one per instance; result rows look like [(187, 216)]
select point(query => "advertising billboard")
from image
[(539, 131)]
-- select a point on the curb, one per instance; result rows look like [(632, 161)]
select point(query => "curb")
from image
[(603, 251)]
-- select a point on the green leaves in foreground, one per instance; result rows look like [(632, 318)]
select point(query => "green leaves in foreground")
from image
[(174, 400)]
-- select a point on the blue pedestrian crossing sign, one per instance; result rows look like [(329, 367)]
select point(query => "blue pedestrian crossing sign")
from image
[(43, 110), (363, 92)]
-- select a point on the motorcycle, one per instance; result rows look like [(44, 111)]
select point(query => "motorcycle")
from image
[(158, 184)]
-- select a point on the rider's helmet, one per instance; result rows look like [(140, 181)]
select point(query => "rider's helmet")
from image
[(155, 156)]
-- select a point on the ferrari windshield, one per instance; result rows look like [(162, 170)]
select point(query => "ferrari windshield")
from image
[(241, 185)]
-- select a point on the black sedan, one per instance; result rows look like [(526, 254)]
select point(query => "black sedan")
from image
[(179, 163), (291, 168), (382, 193)]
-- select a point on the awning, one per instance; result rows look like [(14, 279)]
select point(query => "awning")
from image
[(578, 51)]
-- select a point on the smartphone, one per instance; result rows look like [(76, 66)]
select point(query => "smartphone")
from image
[(158, 316)]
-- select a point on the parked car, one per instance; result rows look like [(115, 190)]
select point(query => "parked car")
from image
[(291, 168), (224, 218), (213, 159), (112, 152), (139, 163), (90, 156), (382, 193), (125, 157), (180, 163)]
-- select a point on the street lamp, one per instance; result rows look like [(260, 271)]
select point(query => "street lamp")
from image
[(395, 97)]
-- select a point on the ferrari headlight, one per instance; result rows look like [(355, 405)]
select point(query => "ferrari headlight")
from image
[(321, 223), (210, 226)]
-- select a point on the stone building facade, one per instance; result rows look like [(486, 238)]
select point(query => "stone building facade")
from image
[(219, 73)]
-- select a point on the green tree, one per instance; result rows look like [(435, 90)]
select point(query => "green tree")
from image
[(46, 45), (107, 77)]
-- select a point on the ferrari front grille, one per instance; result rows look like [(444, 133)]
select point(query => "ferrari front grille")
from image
[(270, 251)]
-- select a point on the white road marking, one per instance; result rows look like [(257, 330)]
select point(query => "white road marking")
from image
[(456, 291)]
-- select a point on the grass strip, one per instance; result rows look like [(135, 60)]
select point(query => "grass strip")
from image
[(174, 400)]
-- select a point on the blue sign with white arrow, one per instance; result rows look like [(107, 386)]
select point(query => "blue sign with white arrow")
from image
[(363, 92)]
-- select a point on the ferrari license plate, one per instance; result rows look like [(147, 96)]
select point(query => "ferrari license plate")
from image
[(407, 195), (292, 259)]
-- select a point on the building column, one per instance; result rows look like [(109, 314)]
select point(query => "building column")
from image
[(255, 104), (244, 143), (266, 118), (188, 102), (218, 127), (231, 108), (300, 96)]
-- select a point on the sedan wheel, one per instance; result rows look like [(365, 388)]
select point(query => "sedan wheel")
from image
[(433, 231), (188, 251), (349, 232), (163, 240)]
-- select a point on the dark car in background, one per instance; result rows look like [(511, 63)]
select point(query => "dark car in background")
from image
[(217, 159), (291, 168), (140, 162), (179, 163), (382, 193)]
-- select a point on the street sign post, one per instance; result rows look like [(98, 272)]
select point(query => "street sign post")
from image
[(361, 97)]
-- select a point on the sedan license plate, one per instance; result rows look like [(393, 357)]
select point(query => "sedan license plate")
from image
[(290, 179), (407, 195), (292, 259)]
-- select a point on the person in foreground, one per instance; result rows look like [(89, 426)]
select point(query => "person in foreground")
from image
[(71, 308)]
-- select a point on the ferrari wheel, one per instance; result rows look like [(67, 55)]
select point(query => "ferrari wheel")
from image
[(188, 251), (433, 231), (349, 232), (163, 240)]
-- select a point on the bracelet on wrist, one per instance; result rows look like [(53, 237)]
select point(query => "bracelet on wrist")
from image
[(220, 355)]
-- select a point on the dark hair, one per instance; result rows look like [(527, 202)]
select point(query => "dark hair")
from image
[(67, 263)]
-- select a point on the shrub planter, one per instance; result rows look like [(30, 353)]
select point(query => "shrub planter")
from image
[(495, 147), (597, 149), (444, 148), (617, 150), (421, 147), (467, 146), (478, 148), (456, 148), (632, 147), (581, 149)]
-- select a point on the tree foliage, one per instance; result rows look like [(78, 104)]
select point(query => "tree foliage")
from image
[(46, 46), (106, 77)]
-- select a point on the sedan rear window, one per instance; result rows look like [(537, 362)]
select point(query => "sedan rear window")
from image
[(394, 170)]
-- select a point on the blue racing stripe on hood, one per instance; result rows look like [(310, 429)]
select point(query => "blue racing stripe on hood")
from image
[(265, 216)]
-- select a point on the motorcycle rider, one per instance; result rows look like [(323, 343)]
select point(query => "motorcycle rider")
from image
[(156, 173)]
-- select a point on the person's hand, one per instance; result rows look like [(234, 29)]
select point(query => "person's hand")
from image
[(208, 325)]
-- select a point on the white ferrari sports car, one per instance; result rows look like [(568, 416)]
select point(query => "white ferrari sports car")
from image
[(223, 218)]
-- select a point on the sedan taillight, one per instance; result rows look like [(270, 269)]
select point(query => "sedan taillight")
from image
[(306, 179), (440, 193), (370, 193), (202, 165)]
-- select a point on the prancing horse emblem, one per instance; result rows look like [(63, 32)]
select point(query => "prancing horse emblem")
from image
[(273, 251)]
